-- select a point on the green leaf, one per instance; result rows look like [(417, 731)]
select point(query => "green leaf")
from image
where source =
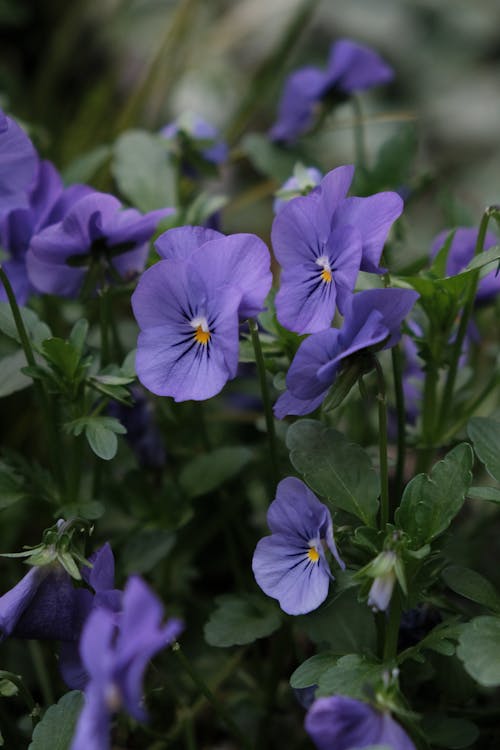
[(491, 494), (471, 585), (352, 675), (78, 335), (11, 486), (101, 435), (146, 548), (8, 688), (63, 355), (85, 167), (485, 435), (337, 469), (343, 623), (430, 503), (241, 619), (268, 158), (13, 380), (143, 170), (36, 329), (207, 472), (56, 729), (482, 259), (479, 650), (310, 671), (450, 733)]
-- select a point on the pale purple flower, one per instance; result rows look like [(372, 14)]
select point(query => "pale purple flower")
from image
[(203, 134), (301, 183), (342, 723), (351, 67), (322, 240), (372, 322), (115, 655), (96, 234), (18, 161), (291, 564)]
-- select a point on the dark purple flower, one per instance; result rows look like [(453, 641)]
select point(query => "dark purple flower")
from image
[(240, 260), (197, 129), (47, 203), (460, 255), (42, 605), (372, 322), (18, 161), (101, 579), (115, 657), (351, 67), (291, 565), (322, 240), (301, 183), (188, 306), (342, 723), (95, 231)]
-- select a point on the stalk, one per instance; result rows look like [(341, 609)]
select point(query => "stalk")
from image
[(382, 426), (259, 358)]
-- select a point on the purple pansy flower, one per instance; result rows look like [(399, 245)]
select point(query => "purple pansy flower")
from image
[(95, 230), (17, 164), (101, 578), (47, 203), (188, 308), (241, 260), (197, 129), (291, 565), (351, 67), (460, 255), (342, 723), (322, 240), (115, 657), (41, 605), (372, 321)]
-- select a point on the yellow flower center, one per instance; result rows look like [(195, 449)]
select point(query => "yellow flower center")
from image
[(313, 554), (326, 275), (201, 336)]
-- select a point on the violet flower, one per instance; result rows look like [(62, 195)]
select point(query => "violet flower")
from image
[(460, 255), (351, 67), (116, 658), (188, 307), (94, 232), (372, 322), (303, 180), (322, 240), (41, 605), (342, 723), (291, 565), (17, 164), (47, 203), (196, 129)]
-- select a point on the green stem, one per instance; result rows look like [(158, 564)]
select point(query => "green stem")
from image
[(359, 134), (401, 418), (104, 324), (205, 690), (382, 427), (429, 408), (392, 629), (41, 672), (447, 399), (18, 320), (259, 358), (23, 691)]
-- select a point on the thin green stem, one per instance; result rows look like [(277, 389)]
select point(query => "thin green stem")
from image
[(41, 672), (23, 691), (205, 690), (397, 374), (259, 358), (18, 320), (392, 629), (382, 428), (429, 408), (359, 134), (447, 399), (104, 324)]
